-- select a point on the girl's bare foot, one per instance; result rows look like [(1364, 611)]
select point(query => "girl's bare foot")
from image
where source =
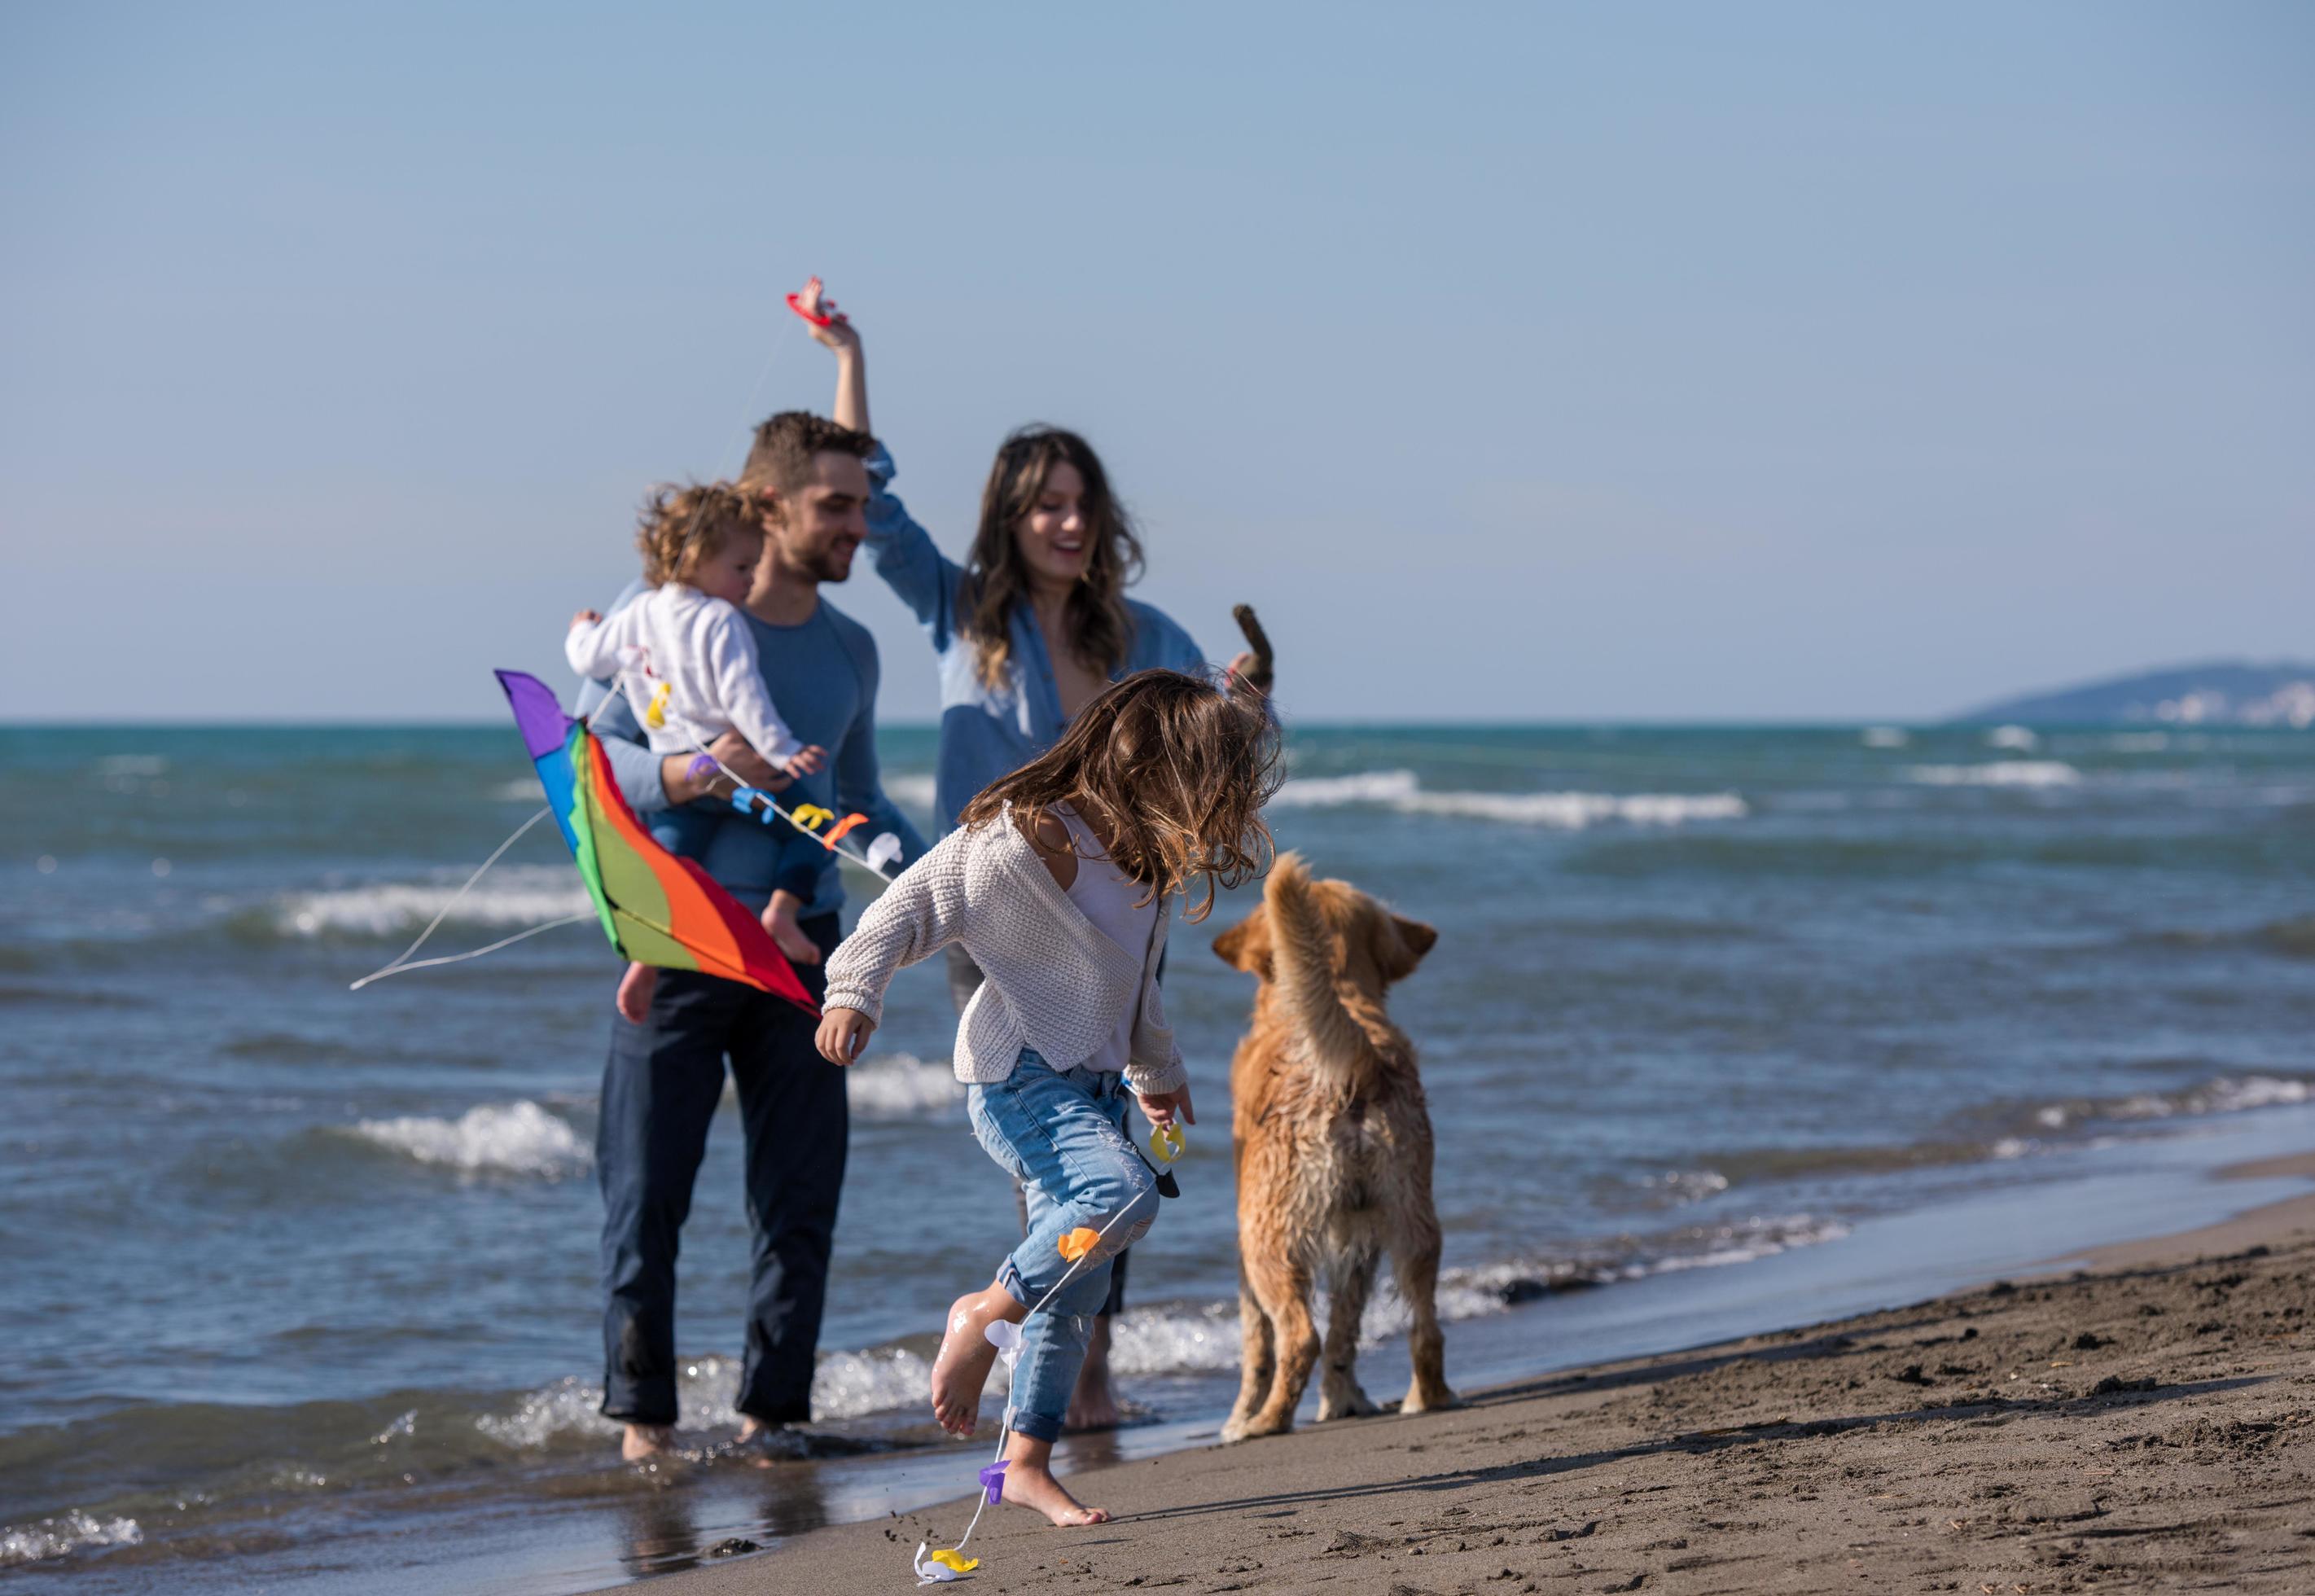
[(642, 1441), (635, 989), (1033, 1485), (960, 1369)]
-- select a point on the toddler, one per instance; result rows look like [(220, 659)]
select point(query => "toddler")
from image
[(688, 666)]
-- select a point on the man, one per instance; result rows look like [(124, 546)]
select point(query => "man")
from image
[(665, 1076)]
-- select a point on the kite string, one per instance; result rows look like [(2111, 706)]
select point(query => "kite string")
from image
[(1005, 1429), (617, 688), (589, 915), (395, 963)]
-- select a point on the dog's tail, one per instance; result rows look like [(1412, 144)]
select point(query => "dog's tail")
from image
[(1341, 1049)]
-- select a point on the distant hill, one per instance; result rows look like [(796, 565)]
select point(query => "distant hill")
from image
[(2222, 692)]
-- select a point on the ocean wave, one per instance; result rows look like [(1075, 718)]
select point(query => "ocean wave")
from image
[(844, 1385), (901, 1087), (912, 790), (2000, 773), (516, 1139), (54, 1538), (1179, 1338), (2014, 1130), (1886, 737), (1402, 790), (512, 895), (2294, 938), (2222, 1094), (2020, 738)]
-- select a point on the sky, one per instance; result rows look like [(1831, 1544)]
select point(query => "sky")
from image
[(1533, 362)]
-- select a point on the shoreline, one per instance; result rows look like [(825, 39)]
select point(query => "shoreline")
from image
[(2130, 1414)]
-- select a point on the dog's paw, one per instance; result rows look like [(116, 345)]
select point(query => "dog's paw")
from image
[(1248, 1428), (1353, 1403), (1438, 1401)]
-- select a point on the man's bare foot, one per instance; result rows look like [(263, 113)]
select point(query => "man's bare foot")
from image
[(635, 989), (789, 939), (642, 1441), (1093, 1404), (960, 1369), (1033, 1485)]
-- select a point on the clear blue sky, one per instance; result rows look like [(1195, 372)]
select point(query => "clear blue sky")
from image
[(1524, 361)]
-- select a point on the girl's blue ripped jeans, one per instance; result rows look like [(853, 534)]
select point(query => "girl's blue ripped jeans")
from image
[(1063, 1134)]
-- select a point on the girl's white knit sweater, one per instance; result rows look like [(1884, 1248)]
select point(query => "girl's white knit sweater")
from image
[(1055, 982)]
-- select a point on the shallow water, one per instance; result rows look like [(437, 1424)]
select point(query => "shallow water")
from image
[(301, 1282)]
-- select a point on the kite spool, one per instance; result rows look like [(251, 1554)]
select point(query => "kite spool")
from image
[(812, 308)]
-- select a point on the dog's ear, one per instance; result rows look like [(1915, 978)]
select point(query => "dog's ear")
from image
[(1246, 944), (1399, 944)]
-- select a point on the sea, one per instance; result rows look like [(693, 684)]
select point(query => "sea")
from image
[(1726, 1028)]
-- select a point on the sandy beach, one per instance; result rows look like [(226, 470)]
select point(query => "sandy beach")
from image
[(2144, 1423)]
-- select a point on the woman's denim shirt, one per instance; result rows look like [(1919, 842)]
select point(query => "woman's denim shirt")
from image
[(986, 732)]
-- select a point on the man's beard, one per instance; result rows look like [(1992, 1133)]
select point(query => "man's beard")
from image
[(831, 564)]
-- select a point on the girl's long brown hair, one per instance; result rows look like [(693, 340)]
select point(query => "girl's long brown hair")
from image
[(1172, 770), (1100, 626)]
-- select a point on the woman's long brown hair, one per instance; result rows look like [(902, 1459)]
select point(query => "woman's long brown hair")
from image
[(1171, 769), (1100, 626)]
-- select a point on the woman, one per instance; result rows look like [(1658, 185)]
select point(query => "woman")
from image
[(1027, 632)]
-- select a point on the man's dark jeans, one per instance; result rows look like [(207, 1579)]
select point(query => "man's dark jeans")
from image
[(660, 1091)]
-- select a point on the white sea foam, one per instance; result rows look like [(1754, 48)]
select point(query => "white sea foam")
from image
[(1181, 1338), (2019, 738), (524, 790), (1885, 737), (2225, 1095), (901, 1087), (511, 895), (1740, 1241), (517, 1139), (1686, 1185), (844, 1385), (132, 765), (2000, 773), (911, 789), (54, 1538), (1402, 790)]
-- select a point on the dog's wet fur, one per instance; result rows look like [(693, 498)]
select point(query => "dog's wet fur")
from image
[(1334, 1148)]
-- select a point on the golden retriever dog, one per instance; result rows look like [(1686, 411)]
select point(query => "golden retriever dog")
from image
[(1333, 1147)]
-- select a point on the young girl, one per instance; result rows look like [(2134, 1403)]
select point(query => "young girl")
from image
[(1058, 881), (687, 664)]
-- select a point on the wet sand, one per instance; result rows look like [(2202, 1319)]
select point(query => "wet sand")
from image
[(2146, 1423)]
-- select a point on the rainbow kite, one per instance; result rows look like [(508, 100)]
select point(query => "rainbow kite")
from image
[(655, 907)]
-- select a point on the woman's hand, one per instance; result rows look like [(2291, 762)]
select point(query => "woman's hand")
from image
[(851, 368), (1161, 1107), (839, 335), (587, 618), (843, 1033)]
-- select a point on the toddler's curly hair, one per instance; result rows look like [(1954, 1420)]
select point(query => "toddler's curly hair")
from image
[(679, 527)]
